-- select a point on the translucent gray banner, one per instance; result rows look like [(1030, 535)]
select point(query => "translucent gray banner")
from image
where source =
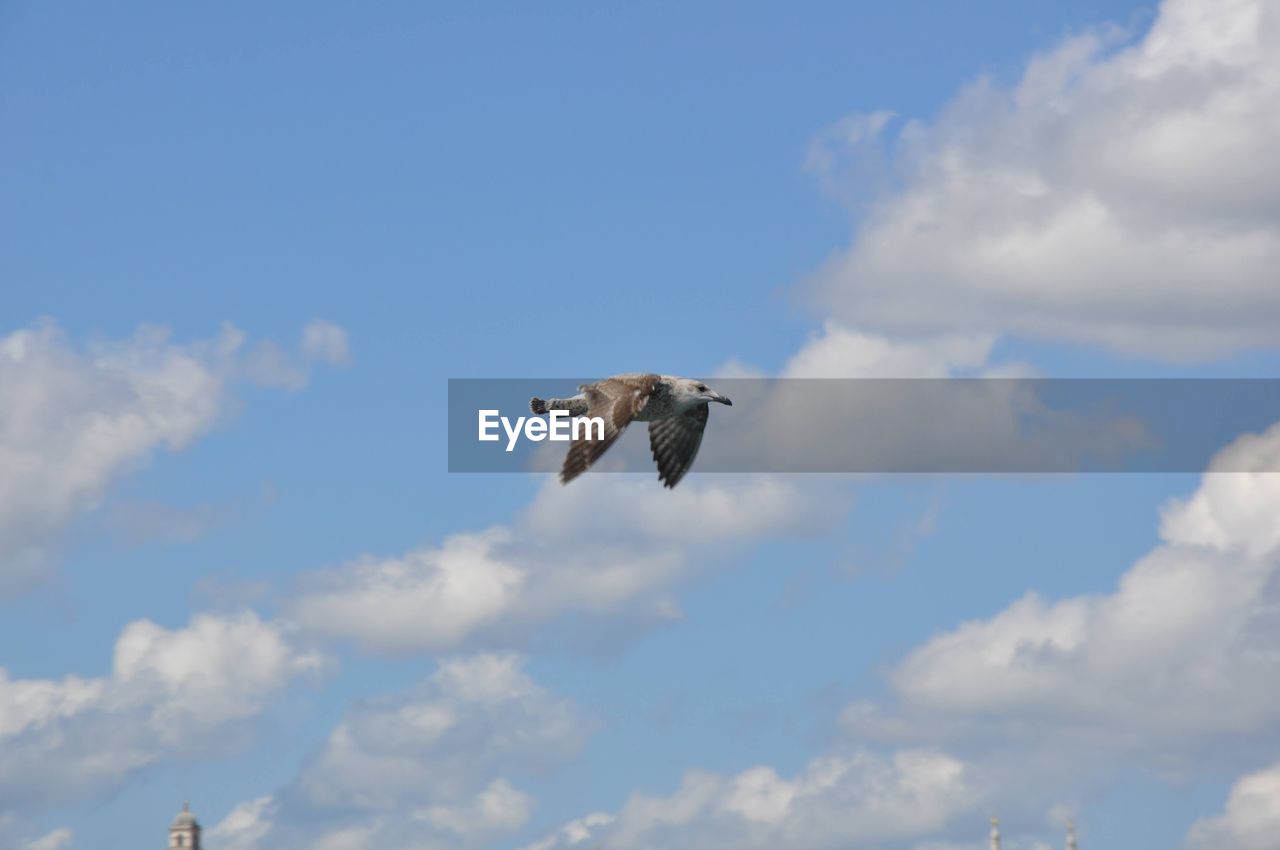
[(1004, 425)]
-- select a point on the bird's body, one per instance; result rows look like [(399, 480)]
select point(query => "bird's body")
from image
[(675, 408)]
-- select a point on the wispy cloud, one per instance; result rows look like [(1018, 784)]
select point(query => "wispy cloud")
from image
[(75, 419)]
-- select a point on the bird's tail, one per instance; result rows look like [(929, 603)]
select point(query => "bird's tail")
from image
[(576, 406)]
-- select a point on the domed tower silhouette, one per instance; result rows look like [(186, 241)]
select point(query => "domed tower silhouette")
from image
[(184, 834)]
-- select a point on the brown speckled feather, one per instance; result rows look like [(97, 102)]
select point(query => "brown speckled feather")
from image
[(617, 400), (675, 443)]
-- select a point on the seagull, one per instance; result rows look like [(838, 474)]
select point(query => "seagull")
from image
[(675, 408)]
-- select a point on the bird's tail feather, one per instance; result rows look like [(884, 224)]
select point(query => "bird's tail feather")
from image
[(576, 406)]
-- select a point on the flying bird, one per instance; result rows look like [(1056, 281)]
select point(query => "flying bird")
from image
[(675, 408)]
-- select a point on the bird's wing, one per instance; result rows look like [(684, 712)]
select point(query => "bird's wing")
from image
[(675, 443), (617, 401)]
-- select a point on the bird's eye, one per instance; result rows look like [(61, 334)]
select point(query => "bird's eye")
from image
[(702, 388)]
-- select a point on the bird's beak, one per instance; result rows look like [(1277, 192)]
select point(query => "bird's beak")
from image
[(723, 399)]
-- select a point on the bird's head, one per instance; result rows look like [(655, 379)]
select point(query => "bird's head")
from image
[(688, 392)]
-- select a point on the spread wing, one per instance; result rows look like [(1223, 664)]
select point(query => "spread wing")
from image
[(617, 401), (675, 443)]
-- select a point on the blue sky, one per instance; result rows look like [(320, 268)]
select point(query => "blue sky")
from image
[(332, 209)]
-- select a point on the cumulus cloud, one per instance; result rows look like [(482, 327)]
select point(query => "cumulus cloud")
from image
[(853, 401), (1119, 193), (843, 352), (854, 799), (607, 542), (1171, 669), (1251, 820), (77, 418), (429, 768), (170, 693)]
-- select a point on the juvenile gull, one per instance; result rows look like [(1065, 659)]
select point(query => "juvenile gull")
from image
[(675, 408)]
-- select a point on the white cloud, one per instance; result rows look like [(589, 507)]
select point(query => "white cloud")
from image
[(1170, 669), (607, 542), (841, 352), (269, 365), (804, 422), (326, 342), (1121, 195), (58, 839), (244, 827), (475, 715), (575, 832), (838, 800), (429, 768), (1251, 820), (74, 420), (357, 838), (170, 693), (500, 807), (429, 598), (215, 670)]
